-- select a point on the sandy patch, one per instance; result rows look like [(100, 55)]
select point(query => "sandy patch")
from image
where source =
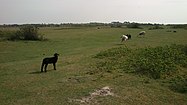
[(91, 99)]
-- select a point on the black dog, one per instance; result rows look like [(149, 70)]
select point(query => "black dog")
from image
[(51, 60)]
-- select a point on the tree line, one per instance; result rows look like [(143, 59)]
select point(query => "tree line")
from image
[(114, 24)]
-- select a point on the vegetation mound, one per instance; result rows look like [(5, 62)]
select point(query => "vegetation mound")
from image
[(157, 63)]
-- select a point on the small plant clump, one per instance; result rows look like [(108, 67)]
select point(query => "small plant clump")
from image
[(179, 84)]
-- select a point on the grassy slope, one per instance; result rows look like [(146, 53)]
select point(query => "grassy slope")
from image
[(22, 83)]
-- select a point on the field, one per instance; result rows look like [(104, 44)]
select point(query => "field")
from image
[(21, 82)]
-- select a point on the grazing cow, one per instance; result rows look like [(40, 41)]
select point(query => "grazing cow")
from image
[(125, 37), (51, 60), (142, 33), (129, 36)]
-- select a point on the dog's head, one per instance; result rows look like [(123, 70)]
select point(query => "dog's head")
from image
[(56, 54)]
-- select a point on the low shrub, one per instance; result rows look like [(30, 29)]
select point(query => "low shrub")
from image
[(156, 27), (134, 25), (27, 32), (182, 26), (4, 35), (159, 62)]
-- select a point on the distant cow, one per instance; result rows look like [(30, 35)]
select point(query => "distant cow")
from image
[(142, 33), (51, 60), (125, 37), (129, 36)]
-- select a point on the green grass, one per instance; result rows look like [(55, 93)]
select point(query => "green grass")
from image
[(22, 83)]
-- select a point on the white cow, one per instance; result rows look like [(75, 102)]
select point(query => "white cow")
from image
[(124, 38)]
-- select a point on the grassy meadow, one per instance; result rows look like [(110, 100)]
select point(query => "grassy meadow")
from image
[(21, 82)]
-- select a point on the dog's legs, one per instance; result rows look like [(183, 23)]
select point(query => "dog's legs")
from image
[(54, 65), (46, 67), (42, 67)]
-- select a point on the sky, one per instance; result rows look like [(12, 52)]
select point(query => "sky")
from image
[(85, 11)]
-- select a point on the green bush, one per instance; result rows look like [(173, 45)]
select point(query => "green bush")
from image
[(27, 32), (134, 25)]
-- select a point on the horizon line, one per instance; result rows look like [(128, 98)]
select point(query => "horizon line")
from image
[(88, 23)]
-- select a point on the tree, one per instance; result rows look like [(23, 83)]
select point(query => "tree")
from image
[(133, 25)]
